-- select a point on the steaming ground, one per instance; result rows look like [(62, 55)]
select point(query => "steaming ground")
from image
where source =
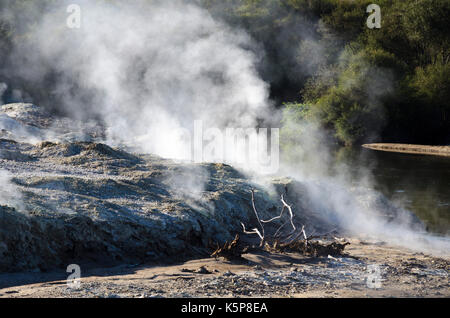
[(147, 80), (67, 201), (71, 202), (149, 77), (73, 192), (88, 202)]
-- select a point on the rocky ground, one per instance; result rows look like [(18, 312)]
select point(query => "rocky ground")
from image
[(369, 269), (68, 198)]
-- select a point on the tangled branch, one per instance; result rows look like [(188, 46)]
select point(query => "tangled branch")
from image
[(283, 240), (293, 239)]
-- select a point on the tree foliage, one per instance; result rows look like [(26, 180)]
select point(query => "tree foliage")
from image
[(390, 84)]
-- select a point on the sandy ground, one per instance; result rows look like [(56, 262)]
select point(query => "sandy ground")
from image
[(411, 149), (369, 269)]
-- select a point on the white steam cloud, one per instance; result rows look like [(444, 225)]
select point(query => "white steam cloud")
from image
[(3, 88), (348, 199), (9, 193), (149, 70)]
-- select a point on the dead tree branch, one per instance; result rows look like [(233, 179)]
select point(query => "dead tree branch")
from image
[(261, 235), (254, 231), (291, 214), (295, 240)]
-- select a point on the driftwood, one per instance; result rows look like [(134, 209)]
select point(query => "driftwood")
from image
[(230, 250), (292, 239)]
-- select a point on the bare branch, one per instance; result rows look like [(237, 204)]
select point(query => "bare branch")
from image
[(275, 218), (254, 231), (256, 213), (296, 240), (304, 233), (278, 232), (291, 214)]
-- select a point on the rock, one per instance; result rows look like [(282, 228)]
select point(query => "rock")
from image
[(203, 270), (228, 274), (185, 270)]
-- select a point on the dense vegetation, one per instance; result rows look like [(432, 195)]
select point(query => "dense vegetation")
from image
[(326, 66), (390, 84)]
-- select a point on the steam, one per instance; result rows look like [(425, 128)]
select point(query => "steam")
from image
[(149, 70), (335, 193), (3, 88), (9, 193), (350, 202)]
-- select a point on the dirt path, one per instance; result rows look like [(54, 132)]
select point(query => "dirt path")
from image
[(411, 149), (395, 272)]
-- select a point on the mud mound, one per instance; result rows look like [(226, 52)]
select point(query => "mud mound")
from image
[(81, 150), (28, 114), (89, 202), (30, 123)]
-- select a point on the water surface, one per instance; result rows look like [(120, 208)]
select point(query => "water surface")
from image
[(420, 183)]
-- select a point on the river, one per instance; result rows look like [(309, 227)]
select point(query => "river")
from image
[(421, 183)]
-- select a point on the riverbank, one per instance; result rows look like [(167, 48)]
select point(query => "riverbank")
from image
[(411, 149), (395, 272)]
